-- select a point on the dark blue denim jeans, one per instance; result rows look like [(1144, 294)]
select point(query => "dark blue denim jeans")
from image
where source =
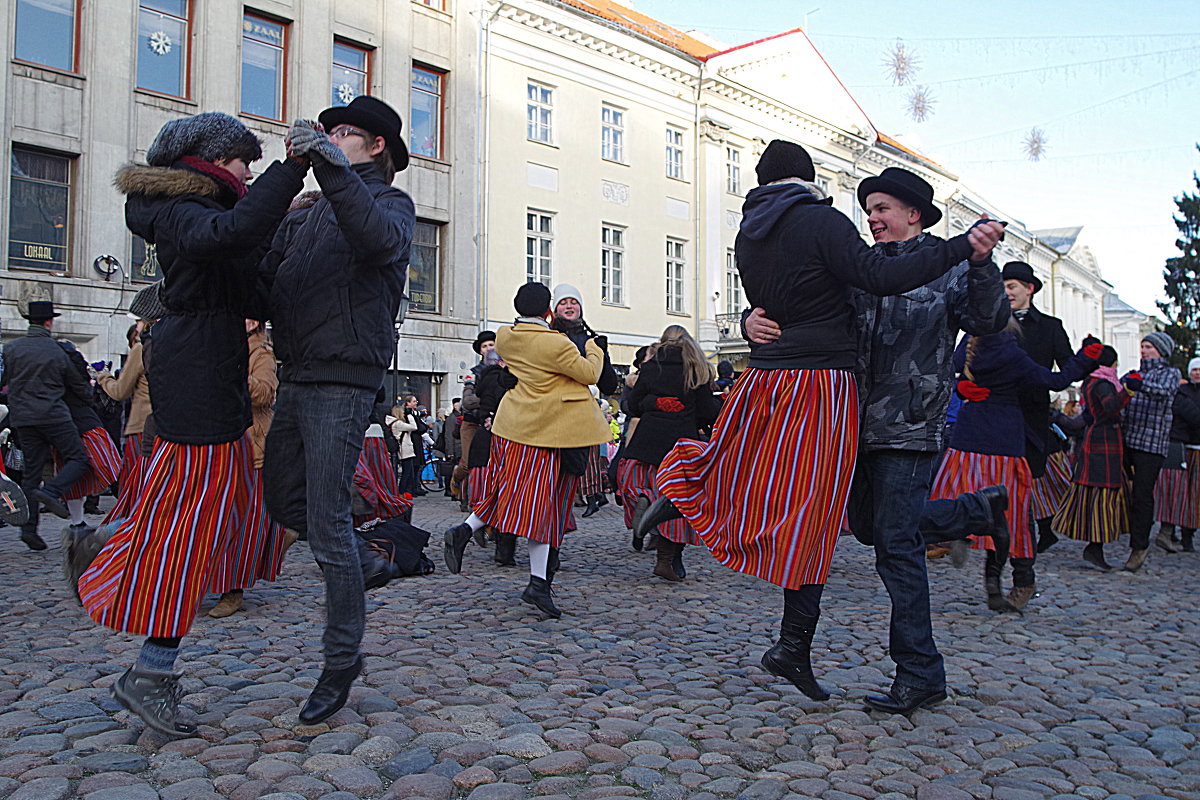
[(308, 480), (887, 501)]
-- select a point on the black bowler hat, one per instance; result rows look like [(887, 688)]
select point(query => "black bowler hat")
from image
[(484, 336), (1020, 271), (784, 160), (374, 116), (903, 185), (40, 311), (532, 300)]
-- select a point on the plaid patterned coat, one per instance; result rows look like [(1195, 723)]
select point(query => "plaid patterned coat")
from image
[(1099, 462)]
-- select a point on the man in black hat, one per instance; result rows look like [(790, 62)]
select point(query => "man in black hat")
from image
[(1045, 340), (337, 272), (40, 375), (905, 379)]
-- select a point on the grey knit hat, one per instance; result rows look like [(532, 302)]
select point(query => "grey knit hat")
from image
[(147, 304), (1163, 343), (210, 136)]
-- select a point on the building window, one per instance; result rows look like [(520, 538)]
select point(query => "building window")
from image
[(351, 72), (264, 55), (733, 170), (46, 32), (612, 134), (539, 246), (539, 113), (39, 209), (423, 267), (426, 115), (143, 266), (612, 265), (163, 47), (735, 301), (674, 153), (675, 269)]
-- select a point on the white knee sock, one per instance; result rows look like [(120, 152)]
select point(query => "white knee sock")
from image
[(475, 522), (539, 557), (75, 509)]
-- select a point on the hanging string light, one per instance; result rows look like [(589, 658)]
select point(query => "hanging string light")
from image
[(920, 103), (901, 64), (1035, 144)]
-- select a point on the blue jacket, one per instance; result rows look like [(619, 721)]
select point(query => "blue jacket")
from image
[(996, 426)]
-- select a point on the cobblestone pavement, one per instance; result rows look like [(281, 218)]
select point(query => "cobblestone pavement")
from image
[(643, 688)]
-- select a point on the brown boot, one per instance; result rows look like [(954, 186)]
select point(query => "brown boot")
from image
[(664, 563), (1019, 596), (230, 603)]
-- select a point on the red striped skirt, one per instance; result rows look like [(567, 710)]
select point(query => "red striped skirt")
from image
[(1177, 494), (526, 492), (636, 479), (1050, 489), (255, 547), (375, 481), (104, 465), (768, 493), (1094, 514), (477, 485), (129, 479), (592, 481), (150, 577), (969, 472)]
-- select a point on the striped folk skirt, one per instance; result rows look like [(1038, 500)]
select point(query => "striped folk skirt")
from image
[(768, 493), (104, 465), (1050, 489), (969, 472), (375, 481), (129, 479), (1177, 494), (1093, 514), (526, 492), (255, 547), (150, 577), (592, 481), (636, 479)]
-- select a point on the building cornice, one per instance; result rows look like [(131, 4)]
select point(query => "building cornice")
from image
[(743, 96)]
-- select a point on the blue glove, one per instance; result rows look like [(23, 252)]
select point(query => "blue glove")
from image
[(100, 366)]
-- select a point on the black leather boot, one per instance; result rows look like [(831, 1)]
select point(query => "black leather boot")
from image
[(455, 540), (660, 511), (593, 505), (330, 693), (677, 562), (1094, 555), (639, 511), (991, 585), (506, 549), (537, 593), (1047, 538), (552, 563), (1185, 540), (789, 658), (997, 500)]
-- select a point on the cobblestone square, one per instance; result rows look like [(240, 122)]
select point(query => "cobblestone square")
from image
[(642, 689)]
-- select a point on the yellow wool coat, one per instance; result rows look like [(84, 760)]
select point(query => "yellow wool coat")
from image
[(551, 405)]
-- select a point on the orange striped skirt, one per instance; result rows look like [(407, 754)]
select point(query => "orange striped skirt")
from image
[(1050, 489), (1177, 494), (969, 472), (255, 547), (1094, 514), (150, 577), (129, 479), (636, 479), (375, 481), (592, 481), (767, 495), (526, 492), (104, 465)]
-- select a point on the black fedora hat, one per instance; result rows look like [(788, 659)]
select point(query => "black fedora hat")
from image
[(372, 115), (484, 336), (1020, 271), (40, 311), (903, 185)]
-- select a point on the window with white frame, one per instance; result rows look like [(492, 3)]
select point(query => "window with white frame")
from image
[(612, 264), (675, 270), (735, 301), (539, 112), (539, 246), (674, 153), (163, 45), (612, 134), (733, 170)]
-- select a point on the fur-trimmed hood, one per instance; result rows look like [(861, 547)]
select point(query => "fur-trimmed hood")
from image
[(164, 182)]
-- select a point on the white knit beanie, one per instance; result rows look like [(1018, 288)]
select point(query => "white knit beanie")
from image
[(562, 292)]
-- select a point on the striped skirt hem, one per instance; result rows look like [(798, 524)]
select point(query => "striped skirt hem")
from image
[(375, 482), (636, 479), (961, 472), (129, 479), (255, 547), (1177, 494), (526, 492), (1098, 514), (104, 465), (1050, 489)]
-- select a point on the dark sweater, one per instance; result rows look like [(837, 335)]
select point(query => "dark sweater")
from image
[(658, 430), (1185, 419)]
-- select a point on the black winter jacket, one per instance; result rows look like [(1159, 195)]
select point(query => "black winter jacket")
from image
[(1185, 418), (337, 272), (209, 245), (578, 332), (658, 430), (40, 375), (83, 412), (1045, 340)]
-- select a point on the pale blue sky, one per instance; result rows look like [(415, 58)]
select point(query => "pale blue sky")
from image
[(1114, 86)]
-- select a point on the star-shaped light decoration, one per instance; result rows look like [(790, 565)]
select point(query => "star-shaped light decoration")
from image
[(920, 103), (160, 43), (1035, 144), (345, 93), (901, 64)]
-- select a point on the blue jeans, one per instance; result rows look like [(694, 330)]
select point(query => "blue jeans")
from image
[(887, 502), (308, 480)]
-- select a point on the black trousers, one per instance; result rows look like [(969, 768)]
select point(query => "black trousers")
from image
[(36, 441), (1145, 468)]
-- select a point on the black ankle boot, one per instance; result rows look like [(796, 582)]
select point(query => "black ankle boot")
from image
[(991, 586), (537, 593), (1047, 538), (677, 562), (660, 511), (593, 505), (789, 658), (330, 693), (1185, 540), (506, 549), (552, 563), (997, 500)]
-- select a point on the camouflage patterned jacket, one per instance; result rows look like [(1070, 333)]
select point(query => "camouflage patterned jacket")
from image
[(905, 371)]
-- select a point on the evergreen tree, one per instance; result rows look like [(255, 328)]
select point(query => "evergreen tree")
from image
[(1181, 279)]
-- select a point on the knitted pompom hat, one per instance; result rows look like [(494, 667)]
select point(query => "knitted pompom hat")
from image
[(1161, 342), (211, 136)]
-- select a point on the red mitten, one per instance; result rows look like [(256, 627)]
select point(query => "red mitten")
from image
[(1093, 350), (668, 404), (969, 390)]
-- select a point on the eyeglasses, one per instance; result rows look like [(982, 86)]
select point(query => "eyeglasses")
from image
[(342, 131)]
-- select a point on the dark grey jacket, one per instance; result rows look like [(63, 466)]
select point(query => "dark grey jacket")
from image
[(40, 374), (905, 370)]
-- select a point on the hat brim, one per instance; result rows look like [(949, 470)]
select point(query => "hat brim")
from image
[(930, 214), (1031, 279), (360, 118), (41, 318)]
